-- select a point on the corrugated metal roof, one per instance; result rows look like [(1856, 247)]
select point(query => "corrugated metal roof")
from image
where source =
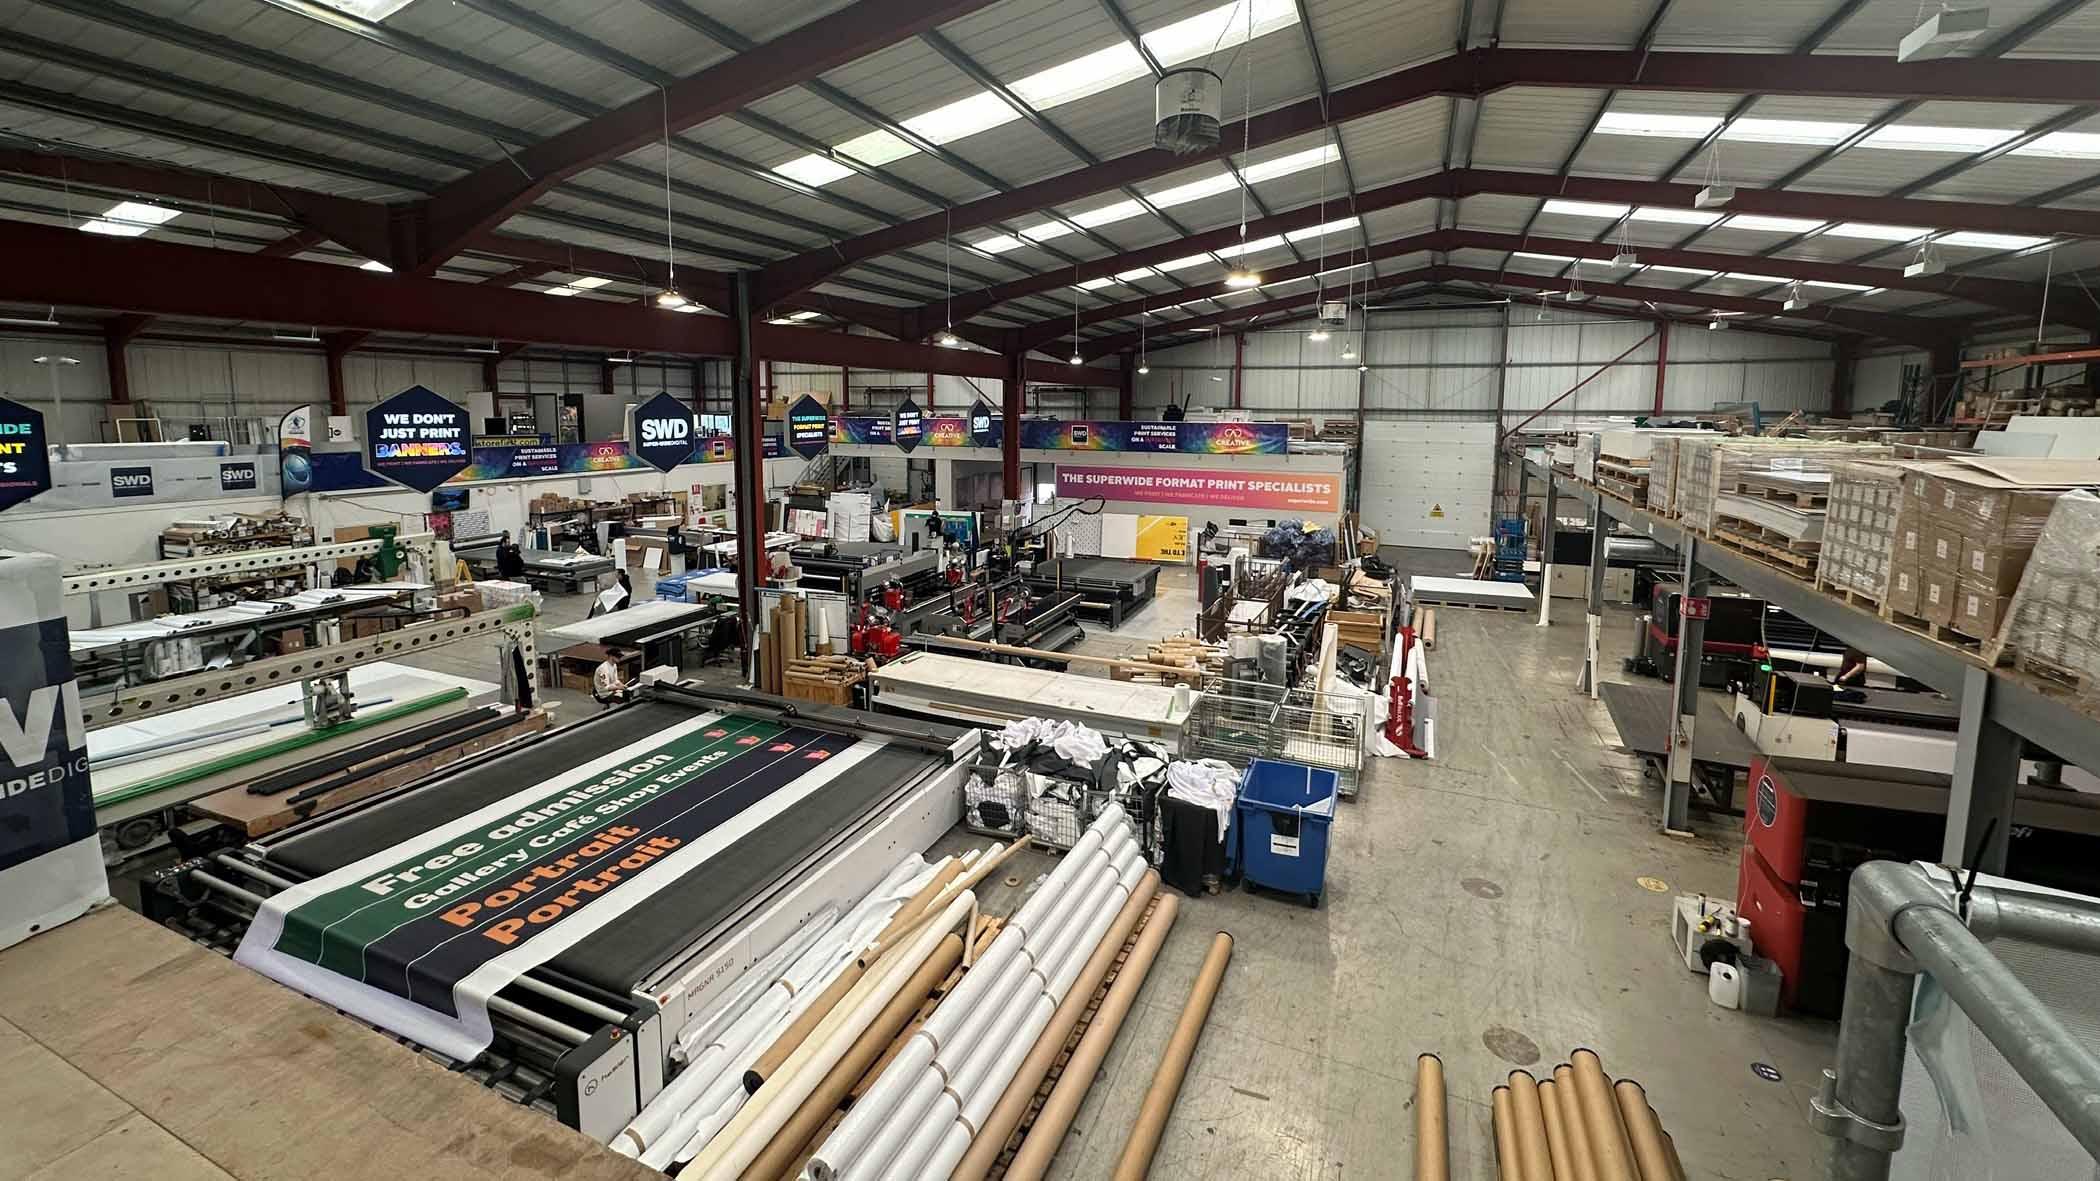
[(1532, 128), (1360, 39), (1878, 27), (1494, 211), (1574, 22), (1405, 141), (1778, 24)]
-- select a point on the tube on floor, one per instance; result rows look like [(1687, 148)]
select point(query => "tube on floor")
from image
[(1600, 1113), (1136, 1162), (1530, 1126), (1432, 1129), (1645, 1131), (1509, 1164), (1580, 1154)]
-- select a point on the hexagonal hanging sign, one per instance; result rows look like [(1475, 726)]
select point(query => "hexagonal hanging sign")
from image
[(808, 427), (25, 465), (984, 424), (417, 438), (660, 432), (908, 426)]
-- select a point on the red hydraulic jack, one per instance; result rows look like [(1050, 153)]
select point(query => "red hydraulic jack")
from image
[(1400, 717)]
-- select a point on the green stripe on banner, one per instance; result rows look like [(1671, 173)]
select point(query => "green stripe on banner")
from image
[(269, 750), (333, 929)]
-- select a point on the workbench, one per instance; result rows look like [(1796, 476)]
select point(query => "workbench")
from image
[(1110, 588), (956, 688), (658, 628)]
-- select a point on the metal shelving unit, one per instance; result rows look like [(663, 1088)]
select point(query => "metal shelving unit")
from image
[(1998, 706)]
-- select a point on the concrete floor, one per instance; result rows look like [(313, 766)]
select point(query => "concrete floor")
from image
[(1484, 906)]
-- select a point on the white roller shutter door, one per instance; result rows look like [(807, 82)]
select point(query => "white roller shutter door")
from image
[(1428, 484)]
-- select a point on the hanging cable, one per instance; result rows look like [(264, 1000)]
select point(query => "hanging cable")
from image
[(668, 297)]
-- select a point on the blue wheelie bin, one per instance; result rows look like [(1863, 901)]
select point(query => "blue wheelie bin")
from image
[(1284, 811)]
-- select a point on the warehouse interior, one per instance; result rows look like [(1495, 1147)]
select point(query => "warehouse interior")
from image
[(1467, 590)]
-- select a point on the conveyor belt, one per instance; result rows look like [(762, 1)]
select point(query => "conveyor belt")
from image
[(619, 955)]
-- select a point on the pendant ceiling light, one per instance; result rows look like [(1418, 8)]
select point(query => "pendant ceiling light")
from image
[(1243, 276), (668, 297), (947, 338)]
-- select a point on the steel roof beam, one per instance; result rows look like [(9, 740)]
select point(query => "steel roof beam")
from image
[(2003, 293), (1465, 182), (482, 200), (1471, 75)]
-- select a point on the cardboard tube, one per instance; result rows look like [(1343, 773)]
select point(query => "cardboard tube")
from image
[(793, 1140), (843, 983), (1608, 1144), (1055, 1119), (1530, 1126), (1645, 1131), (1508, 1165), (1432, 1126), (1138, 1150), (1676, 1162), (1572, 1124), (1006, 1116), (985, 866), (1429, 630), (1556, 1132)]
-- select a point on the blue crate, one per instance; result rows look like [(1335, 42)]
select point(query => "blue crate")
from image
[(1283, 814)]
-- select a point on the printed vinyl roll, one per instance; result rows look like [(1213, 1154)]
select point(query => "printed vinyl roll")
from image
[(50, 858)]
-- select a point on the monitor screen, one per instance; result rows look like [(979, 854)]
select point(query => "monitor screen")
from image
[(448, 500)]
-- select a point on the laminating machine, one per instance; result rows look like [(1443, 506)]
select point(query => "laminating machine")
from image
[(548, 916)]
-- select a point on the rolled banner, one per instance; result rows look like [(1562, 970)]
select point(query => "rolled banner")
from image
[(50, 856)]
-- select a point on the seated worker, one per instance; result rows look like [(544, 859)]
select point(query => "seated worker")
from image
[(608, 684)]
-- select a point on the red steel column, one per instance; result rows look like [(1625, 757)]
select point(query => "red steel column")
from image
[(1011, 393), (1239, 371), (1844, 355), (1126, 390)]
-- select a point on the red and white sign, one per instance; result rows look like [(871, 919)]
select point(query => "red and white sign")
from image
[(1316, 492), (1696, 608)]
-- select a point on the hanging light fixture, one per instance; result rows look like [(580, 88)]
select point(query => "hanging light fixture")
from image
[(1144, 317), (947, 339), (1076, 358), (1244, 276), (1319, 332), (668, 298)]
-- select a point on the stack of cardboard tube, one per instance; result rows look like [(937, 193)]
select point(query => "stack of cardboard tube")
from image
[(1575, 1126)]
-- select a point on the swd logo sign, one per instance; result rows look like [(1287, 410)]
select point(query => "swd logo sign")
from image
[(130, 481), (660, 432)]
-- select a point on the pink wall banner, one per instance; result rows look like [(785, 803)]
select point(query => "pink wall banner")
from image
[(1314, 492)]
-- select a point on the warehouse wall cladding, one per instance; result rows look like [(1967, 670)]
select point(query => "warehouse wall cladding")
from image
[(782, 595)]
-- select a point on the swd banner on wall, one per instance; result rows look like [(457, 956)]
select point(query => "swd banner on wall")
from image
[(50, 856), (295, 450), (660, 432), (418, 937), (1312, 492)]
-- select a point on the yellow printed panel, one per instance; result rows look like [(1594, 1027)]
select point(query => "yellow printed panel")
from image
[(1163, 539)]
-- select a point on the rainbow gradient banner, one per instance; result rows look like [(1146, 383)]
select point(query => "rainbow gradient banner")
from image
[(1183, 438)]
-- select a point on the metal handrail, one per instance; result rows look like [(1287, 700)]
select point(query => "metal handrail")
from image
[(1902, 922)]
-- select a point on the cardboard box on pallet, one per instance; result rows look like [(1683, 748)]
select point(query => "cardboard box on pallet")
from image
[(1905, 588), (1937, 594), (2053, 622), (1979, 609)]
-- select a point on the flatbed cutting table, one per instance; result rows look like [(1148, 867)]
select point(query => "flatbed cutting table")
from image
[(935, 685), (1719, 750), (1109, 587), (664, 846), (543, 568)]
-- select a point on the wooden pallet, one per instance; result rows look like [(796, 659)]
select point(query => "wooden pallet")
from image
[(1630, 491), (1801, 498), (2051, 673), (1850, 596), (1798, 562), (1939, 632), (1064, 1055), (1518, 608)]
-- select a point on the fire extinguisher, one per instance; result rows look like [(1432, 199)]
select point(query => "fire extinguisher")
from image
[(857, 635), (893, 597)]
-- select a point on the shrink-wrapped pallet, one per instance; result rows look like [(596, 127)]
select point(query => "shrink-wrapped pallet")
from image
[(2052, 626), (1860, 528), (1719, 468)]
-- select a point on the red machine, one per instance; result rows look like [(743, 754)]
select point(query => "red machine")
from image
[(873, 637), (1809, 823)]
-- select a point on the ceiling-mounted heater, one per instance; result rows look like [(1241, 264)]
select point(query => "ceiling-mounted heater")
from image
[(1185, 109), (1334, 311)]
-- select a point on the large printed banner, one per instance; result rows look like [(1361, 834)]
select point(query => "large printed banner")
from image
[(1313, 492), (417, 938), (50, 855), (1179, 438), (341, 471)]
